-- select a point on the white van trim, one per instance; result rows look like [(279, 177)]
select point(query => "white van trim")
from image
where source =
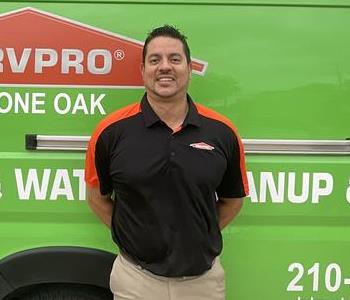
[(252, 146)]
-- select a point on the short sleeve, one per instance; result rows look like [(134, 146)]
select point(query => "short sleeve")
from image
[(102, 163), (97, 164), (234, 182)]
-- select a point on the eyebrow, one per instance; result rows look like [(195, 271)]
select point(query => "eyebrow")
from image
[(171, 55)]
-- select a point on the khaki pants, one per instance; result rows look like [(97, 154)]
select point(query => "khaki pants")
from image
[(130, 282)]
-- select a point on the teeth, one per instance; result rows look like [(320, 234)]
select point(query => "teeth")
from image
[(165, 79)]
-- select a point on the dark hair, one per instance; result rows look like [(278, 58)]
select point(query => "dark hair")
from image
[(167, 31)]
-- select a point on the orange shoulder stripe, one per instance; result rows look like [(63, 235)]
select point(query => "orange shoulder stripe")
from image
[(91, 178), (209, 113)]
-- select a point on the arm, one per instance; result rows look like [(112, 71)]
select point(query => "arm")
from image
[(228, 209), (101, 205)]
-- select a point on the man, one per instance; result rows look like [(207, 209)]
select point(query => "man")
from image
[(177, 174)]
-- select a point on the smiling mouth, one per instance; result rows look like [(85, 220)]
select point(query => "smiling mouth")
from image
[(165, 79)]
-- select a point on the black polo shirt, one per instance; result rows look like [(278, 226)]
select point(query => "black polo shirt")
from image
[(166, 184)]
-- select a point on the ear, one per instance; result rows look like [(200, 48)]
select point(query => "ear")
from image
[(142, 69), (190, 69)]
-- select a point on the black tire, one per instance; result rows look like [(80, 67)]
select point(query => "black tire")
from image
[(64, 292)]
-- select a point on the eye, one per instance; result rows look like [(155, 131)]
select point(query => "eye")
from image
[(176, 59), (153, 60)]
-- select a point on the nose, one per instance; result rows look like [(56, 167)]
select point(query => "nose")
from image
[(164, 65)]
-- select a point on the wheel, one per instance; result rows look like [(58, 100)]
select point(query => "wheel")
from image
[(63, 292)]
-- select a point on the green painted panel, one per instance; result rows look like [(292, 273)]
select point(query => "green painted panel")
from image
[(324, 3), (279, 72), (43, 203), (276, 72)]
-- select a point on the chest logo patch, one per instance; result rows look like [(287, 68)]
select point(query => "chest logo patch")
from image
[(202, 145)]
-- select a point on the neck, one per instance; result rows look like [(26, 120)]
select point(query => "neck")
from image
[(171, 111)]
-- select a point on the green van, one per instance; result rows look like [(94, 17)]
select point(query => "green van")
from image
[(280, 70)]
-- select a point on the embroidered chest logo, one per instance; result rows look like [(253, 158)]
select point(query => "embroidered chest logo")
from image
[(202, 145)]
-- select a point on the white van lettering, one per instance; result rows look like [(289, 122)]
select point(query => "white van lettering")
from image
[(80, 104), (69, 60), (65, 101), (22, 103), (96, 103), (50, 61), (5, 102), (79, 173), (32, 183), (292, 197), (252, 189), (347, 193), (107, 61), (64, 104), (317, 189), (72, 58), (38, 187), (267, 183), (61, 186), (1, 59), (18, 67), (321, 185)]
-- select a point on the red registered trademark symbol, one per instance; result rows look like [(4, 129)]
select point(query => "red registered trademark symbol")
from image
[(119, 54)]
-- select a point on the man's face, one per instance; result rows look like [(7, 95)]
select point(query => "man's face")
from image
[(165, 72)]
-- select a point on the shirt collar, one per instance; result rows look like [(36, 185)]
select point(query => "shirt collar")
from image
[(150, 117)]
